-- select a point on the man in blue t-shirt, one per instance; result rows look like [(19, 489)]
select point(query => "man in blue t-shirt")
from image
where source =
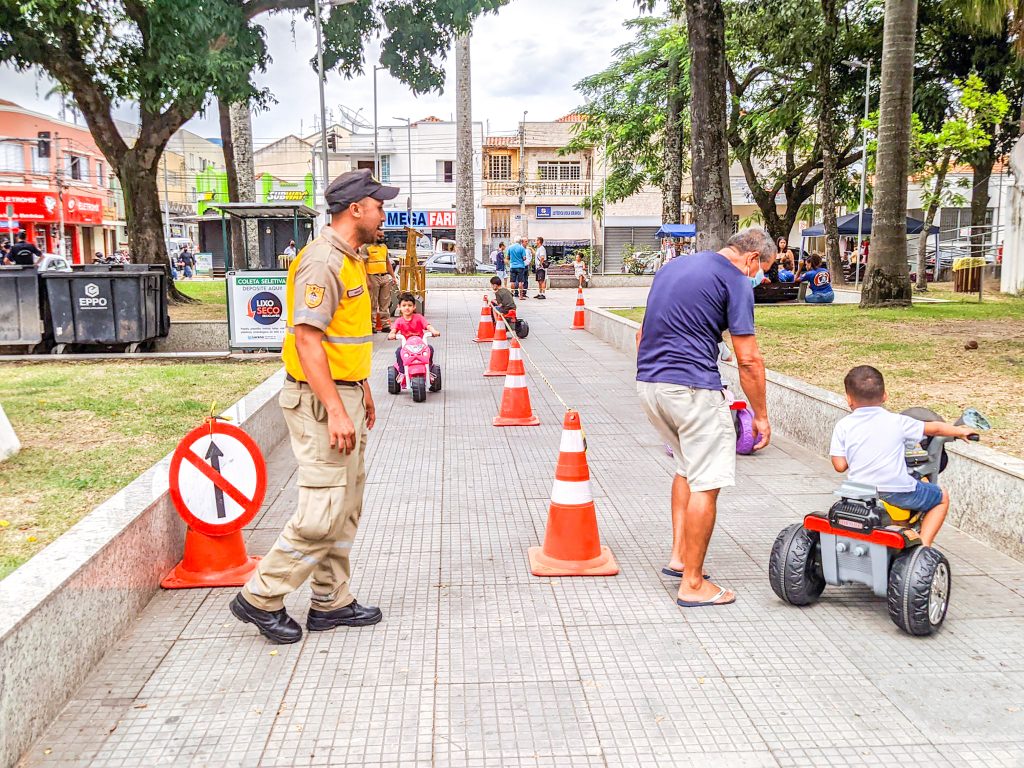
[(692, 301), (517, 256)]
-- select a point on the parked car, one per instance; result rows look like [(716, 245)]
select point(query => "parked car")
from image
[(51, 262), (445, 262)]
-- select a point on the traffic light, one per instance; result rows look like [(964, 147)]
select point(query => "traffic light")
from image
[(332, 141), (43, 144)]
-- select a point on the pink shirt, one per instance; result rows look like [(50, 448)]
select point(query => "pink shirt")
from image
[(416, 325)]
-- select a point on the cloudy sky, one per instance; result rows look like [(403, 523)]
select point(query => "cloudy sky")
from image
[(528, 56)]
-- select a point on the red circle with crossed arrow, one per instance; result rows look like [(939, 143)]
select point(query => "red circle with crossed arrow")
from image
[(218, 478)]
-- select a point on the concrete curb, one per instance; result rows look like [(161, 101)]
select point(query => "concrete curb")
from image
[(987, 487), (64, 608)]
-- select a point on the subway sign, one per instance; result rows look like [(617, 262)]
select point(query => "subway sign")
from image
[(420, 219)]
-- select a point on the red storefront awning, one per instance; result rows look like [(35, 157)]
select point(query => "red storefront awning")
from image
[(33, 206)]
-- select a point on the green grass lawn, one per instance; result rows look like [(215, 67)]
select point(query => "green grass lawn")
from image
[(212, 298), (88, 429), (920, 350)]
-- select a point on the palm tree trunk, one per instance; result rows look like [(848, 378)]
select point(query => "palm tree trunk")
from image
[(929, 216), (245, 169), (983, 164), (234, 225), (826, 137), (465, 260), (672, 188), (887, 282), (709, 154)]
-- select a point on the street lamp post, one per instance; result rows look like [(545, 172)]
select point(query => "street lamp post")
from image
[(376, 151), (866, 66), (320, 77), (408, 132)]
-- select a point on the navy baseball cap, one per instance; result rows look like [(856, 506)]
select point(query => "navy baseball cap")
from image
[(353, 186)]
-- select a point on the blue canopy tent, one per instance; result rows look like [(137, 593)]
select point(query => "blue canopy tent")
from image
[(848, 225), (677, 230)]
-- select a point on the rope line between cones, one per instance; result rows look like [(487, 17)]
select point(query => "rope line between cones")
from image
[(510, 330)]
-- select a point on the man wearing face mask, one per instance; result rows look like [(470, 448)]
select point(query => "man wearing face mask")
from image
[(691, 303)]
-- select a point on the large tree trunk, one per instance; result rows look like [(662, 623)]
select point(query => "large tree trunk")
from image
[(705, 23), (826, 138), (929, 217), (983, 162), (241, 142), (465, 258), (672, 188), (234, 225), (887, 281)]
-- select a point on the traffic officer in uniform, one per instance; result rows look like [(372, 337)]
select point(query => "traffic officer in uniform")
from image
[(328, 409), (381, 277)]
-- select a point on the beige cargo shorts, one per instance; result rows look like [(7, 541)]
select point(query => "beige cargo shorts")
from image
[(697, 425)]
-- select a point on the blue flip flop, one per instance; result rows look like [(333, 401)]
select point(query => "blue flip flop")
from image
[(705, 603), (676, 574)]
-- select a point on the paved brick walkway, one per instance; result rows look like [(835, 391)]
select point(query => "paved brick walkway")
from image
[(478, 663)]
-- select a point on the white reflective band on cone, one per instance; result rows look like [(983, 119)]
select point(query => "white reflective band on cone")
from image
[(576, 492), (501, 345), (572, 441), (515, 382)]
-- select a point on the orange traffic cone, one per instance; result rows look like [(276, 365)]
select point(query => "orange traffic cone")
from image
[(485, 330), (212, 561), (572, 544), (499, 351), (578, 319), (515, 408)]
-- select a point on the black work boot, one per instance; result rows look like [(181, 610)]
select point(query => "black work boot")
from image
[(276, 626), (352, 615)]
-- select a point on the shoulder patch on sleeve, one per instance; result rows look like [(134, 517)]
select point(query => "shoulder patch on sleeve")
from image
[(314, 295), (354, 292)]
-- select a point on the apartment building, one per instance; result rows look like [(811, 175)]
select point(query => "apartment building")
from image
[(53, 174), (547, 199)]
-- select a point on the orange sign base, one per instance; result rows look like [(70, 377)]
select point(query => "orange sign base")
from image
[(212, 561)]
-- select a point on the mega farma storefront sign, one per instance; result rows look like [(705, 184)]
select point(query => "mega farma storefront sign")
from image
[(420, 219)]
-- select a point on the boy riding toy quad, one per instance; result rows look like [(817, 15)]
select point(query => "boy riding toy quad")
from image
[(504, 303), (414, 366), (890, 508)]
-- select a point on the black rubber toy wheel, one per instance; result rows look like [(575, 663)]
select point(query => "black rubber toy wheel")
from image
[(435, 385), (920, 583), (794, 567), (522, 329), (393, 387), (419, 389)]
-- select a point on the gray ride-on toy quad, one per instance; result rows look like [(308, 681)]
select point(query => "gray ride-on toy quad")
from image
[(864, 540)]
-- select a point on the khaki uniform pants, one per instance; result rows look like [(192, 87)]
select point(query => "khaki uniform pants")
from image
[(317, 540), (380, 297)]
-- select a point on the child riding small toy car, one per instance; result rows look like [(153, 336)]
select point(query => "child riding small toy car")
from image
[(416, 372), (504, 303), (865, 539), (414, 366)]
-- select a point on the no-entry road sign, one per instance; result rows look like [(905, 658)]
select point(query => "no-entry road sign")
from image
[(218, 478)]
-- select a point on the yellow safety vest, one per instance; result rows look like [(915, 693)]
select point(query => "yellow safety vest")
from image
[(348, 340), (377, 264)]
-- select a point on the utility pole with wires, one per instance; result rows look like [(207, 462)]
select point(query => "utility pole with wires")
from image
[(523, 228)]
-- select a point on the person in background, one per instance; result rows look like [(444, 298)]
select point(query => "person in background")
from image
[(381, 276), (503, 299), (500, 263), (290, 249), (23, 252), (540, 268), (786, 274), (820, 282), (517, 256), (579, 269)]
